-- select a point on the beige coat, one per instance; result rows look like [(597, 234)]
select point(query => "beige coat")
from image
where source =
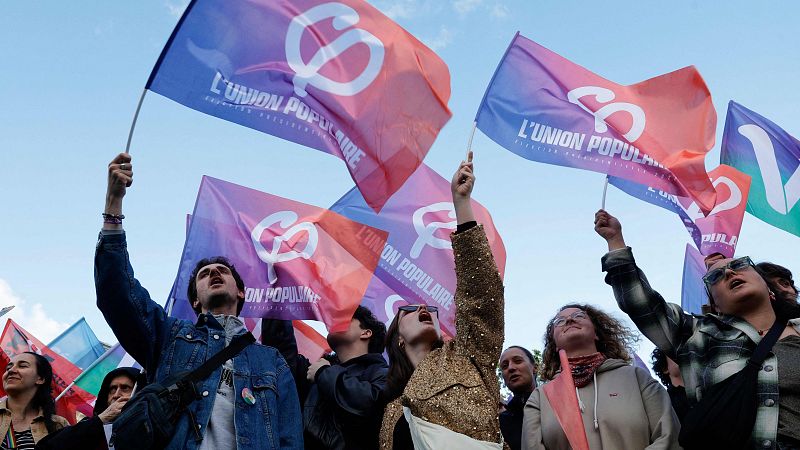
[(456, 386), (633, 413), (38, 429)]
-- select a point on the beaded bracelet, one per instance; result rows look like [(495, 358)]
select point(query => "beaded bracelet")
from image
[(113, 219)]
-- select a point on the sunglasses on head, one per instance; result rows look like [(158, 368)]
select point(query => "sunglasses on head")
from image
[(713, 277), (413, 308)]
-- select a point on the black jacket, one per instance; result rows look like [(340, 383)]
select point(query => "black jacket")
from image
[(88, 434), (341, 409), (511, 421)]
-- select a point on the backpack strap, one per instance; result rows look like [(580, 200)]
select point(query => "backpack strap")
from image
[(766, 344), (234, 348)]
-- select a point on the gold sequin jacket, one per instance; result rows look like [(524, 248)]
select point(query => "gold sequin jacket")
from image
[(456, 386)]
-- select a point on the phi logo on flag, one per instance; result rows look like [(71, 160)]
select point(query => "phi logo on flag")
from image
[(389, 306), (693, 211), (308, 73), (603, 95), (781, 197), (427, 233), (286, 219)]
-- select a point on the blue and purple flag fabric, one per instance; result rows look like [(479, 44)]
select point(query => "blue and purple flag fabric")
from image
[(416, 265), (297, 261), (763, 150), (546, 108), (693, 291), (718, 232), (339, 77), (78, 344)]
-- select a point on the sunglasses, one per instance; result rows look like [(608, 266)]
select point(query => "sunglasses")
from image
[(737, 265), (561, 321), (413, 308)]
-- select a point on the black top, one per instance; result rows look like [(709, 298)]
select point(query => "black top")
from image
[(511, 421)]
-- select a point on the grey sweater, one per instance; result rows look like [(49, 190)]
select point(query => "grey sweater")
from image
[(633, 412)]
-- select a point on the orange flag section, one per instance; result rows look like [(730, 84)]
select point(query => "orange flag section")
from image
[(564, 400)]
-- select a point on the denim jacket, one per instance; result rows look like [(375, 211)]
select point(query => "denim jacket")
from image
[(166, 346)]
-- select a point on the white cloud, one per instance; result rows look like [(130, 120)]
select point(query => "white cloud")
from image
[(463, 7), (442, 40), (500, 11), (33, 318), (176, 8)]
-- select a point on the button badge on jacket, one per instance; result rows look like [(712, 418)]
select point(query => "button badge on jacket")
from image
[(248, 397)]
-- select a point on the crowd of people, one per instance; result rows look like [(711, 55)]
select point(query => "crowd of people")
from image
[(206, 384)]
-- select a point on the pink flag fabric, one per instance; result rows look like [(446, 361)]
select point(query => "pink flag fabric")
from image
[(564, 400), (339, 77), (656, 132), (297, 261)]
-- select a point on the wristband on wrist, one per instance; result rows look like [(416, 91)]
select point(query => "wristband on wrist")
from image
[(114, 219)]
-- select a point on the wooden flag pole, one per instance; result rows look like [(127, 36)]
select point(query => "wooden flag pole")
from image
[(133, 124), (605, 189)]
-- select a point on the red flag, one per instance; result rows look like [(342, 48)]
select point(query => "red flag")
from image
[(309, 343), (16, 340), (564, 400)]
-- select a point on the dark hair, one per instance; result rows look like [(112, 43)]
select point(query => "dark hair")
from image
[(43, 399), (368, 321), (400, 367), (527, 353), (770, 270), (192, 290), (614, 340), (659, 362)]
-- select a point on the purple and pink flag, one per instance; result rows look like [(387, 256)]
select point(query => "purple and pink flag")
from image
[(339, 77), (717, 232), (297, 261), (416, 265), (546, 108), (693, 290)]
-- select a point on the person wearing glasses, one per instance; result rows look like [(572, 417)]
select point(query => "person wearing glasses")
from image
[(445, 394), (710, 348), (622, 406)]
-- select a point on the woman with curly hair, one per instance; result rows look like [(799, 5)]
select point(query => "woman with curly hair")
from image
[(28, 413), (622, 406)]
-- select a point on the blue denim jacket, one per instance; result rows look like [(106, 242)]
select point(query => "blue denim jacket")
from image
[(166, 345)]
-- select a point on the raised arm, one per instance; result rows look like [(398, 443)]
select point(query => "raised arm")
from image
[(665, 324), (479, 289), (138, 322)]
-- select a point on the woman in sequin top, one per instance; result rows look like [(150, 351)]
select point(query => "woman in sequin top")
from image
[(450, 387)]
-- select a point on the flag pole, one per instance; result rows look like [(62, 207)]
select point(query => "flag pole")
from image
[(605, 189), (64, 391), (133, 124), (469, 144)]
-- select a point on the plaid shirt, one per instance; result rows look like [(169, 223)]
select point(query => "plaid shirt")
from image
[(707, 348)]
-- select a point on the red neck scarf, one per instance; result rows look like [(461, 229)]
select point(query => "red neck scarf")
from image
[(583, 367)]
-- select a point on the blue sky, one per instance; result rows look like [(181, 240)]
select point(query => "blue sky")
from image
[(71, 77)]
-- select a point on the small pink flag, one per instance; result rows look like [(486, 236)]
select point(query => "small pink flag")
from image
[(564, 400)]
